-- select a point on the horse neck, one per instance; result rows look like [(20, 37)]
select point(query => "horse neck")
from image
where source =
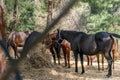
[(53, 36), (69, 35)]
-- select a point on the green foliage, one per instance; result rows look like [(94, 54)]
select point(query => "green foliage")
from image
[(27, 13), (102, 16), (25, 16), (97, 6), (9, 5)]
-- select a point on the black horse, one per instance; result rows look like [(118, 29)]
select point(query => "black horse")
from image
[(88, 44)]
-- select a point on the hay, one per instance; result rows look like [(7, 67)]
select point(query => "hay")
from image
[(37, 58)]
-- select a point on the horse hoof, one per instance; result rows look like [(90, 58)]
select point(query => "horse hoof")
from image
[(68, 66), (76, 71), (107, 76), (82, 72)]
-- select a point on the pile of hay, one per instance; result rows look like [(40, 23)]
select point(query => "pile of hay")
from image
[(37, 58)]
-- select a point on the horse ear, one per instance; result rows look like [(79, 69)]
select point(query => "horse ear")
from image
[(27, 32)]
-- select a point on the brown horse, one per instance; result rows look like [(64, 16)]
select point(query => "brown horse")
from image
[(17, 39), (49, 42), (65, 45), (114, 54)]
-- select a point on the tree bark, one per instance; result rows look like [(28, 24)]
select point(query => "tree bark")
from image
[(50, 7), (3, 21), (14, 15)]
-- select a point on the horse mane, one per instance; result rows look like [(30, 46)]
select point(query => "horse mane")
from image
[(72, 33), (69, 31)]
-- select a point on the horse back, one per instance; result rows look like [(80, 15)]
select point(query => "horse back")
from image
[(66, 44), (17, 38), (20, 38), (87, 44), (104, 41)]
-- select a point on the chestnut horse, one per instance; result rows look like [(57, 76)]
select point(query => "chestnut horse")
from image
[(66, 47), (17, 39), (114, 54)]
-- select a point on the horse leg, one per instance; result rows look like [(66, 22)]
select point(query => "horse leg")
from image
[(76, 60), (91, 60), (109, 60), (53, 54), (113, 53), (65, 57), (98, 62), (15, 52), (58, 54), (68, 58), (81, 58), (87, 60), (102, 61)]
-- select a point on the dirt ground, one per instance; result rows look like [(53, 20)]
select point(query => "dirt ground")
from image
[(58, 72)]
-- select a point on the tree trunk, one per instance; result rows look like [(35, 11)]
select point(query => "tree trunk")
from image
[(50, 7), (3, 20), (14, 15)]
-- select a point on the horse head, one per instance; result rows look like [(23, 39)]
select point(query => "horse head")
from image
[(59, 37)]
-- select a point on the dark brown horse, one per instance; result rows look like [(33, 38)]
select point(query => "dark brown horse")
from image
[(50, 41), (89, 44), (17, 39)]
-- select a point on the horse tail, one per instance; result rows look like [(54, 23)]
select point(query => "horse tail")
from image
[(115, 35)]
